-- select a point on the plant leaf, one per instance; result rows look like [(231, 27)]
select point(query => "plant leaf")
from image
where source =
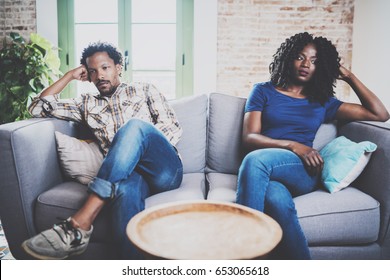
[(40, 41), (52, 60), (17, 38)]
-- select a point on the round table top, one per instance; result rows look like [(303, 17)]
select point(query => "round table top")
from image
[(203, 230)]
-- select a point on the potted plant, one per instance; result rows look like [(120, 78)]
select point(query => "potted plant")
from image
[(26, 68)]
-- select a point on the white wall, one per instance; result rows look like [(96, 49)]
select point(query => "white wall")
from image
[(47, 25), (205, 46), (371, 46)]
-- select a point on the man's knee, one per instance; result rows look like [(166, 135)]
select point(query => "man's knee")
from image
[(137, 126)]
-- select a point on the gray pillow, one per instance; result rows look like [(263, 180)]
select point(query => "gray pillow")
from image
[(225, 127), (191, 113)]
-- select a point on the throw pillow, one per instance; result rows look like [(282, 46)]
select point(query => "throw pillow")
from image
[(344, 160), (80, 160)]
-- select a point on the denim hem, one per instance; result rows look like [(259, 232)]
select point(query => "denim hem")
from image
[(104, 189)]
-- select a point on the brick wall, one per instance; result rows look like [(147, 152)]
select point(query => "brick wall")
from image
[(17, 16), (250, 31), (2, 22)]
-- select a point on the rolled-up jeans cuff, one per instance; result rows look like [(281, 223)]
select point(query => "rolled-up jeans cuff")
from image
[(102, 188)]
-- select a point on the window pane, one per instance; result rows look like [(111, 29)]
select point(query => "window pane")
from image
[(154, 46), (95, 11), (154, 11), (164, 81), (89, 33)]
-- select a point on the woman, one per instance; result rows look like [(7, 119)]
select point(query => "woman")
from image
[(281, 119)]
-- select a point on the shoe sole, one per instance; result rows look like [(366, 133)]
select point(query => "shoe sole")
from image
[(43, 257)]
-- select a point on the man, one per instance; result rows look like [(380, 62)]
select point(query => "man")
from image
[(137, 131)]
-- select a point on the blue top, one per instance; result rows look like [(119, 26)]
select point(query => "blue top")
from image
[(289, 118)]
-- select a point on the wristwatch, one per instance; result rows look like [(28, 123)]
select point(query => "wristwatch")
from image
[(46, 106)]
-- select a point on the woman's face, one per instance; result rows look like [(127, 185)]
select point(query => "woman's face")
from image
[(304, 65)]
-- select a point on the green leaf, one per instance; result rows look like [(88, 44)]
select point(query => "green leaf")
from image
[(17, 89), (31, 83), (17, 38), (24, 70), (40, 41), (52, 60)]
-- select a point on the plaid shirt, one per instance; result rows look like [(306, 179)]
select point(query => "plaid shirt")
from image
[(105, 115)]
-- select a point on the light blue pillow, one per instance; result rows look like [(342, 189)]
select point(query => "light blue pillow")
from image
[(344, 160)]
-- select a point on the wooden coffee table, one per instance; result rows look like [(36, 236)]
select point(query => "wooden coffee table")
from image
[(203, 230)]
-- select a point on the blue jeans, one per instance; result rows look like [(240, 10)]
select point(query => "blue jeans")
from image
[(140, 162), (268, 180)]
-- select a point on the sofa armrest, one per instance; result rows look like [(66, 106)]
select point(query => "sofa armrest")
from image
[(375, 179), (28, 166)]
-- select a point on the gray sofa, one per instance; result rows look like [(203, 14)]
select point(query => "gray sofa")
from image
[(350, 224)]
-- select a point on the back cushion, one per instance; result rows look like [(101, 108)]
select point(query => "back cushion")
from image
[(326, 133), (192, 115), (224, 134)]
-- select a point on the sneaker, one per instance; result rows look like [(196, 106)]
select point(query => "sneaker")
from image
[(59, 242)]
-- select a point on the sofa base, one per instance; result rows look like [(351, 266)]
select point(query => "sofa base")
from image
[(364, 252)]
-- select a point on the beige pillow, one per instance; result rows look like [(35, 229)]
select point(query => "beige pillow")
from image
[(79, 159)]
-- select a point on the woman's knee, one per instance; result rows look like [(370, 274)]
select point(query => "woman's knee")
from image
[(259, 160), (278, 198), (252, 159)]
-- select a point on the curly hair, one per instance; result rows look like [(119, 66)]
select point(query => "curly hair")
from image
[(93, 48), (321, 86)]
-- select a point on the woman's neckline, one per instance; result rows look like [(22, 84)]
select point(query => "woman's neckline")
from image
[(293, 97)]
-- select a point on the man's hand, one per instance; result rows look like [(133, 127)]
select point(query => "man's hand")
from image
[(80, 73)]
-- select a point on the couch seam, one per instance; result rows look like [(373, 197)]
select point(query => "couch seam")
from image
[(339, 212)]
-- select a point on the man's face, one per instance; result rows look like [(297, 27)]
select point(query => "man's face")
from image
[(103, 72)]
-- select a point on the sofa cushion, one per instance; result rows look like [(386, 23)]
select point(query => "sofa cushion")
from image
[(62, 201), (192, 187), (224, 133), (326, 133), (65, 199), (191, 113), (346, 217), (222, 187)]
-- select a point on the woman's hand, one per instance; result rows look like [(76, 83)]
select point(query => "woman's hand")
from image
[(309, 156), (371, 108), (344, 73)]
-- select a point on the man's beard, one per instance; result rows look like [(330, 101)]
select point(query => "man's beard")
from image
[(107, 89)]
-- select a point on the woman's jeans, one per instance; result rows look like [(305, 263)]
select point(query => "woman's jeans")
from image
[(268, 180), (140, 162)]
